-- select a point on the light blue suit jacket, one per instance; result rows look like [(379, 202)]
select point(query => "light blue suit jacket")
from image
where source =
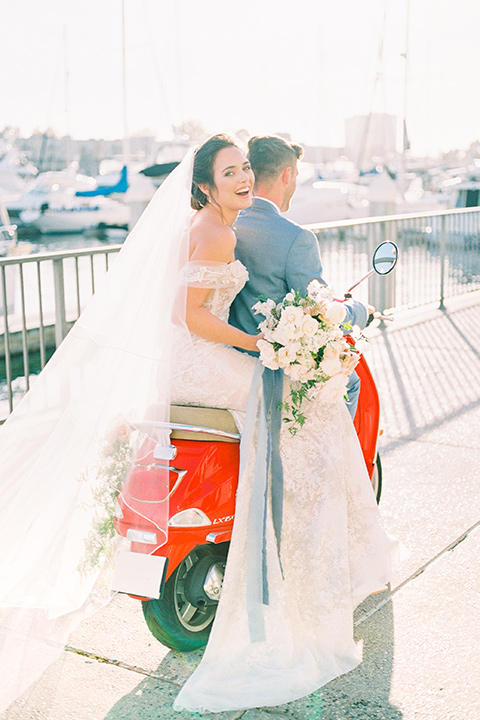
[(279, 256)]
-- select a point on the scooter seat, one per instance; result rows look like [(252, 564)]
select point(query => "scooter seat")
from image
[(208, 423)]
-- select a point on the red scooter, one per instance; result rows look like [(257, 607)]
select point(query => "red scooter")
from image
[(179, 577)]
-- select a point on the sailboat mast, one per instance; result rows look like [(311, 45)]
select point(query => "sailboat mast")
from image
[(126, 138), (404, 134), (68, 145)]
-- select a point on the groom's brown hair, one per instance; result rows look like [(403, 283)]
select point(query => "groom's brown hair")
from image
[(270, 154)]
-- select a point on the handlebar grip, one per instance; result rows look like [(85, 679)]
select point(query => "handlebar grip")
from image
[(370, 319)]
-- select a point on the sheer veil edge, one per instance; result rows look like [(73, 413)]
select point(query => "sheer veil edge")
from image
[(59, 447)]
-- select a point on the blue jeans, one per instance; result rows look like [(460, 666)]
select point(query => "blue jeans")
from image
[(353, 391)]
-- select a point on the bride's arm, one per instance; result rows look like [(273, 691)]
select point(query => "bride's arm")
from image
[(200, 321)]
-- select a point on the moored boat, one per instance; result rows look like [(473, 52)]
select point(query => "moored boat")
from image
[(51, 205)]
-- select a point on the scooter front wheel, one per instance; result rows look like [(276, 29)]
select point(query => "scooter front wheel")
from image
[(182, 618), (377, 478)]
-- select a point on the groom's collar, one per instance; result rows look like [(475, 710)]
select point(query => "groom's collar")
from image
[(262, 203)]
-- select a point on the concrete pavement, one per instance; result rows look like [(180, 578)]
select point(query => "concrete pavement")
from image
[(421, 640)]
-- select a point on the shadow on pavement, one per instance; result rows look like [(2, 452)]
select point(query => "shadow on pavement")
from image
[(362, 694), (427, 374)]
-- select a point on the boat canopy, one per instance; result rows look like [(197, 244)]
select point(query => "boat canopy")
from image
[(120, 187)]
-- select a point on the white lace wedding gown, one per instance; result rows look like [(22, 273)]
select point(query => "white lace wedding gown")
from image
[(334, 551)]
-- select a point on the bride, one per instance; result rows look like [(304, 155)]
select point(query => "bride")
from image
[(157, 331)]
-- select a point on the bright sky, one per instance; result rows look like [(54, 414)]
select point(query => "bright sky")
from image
[(254, 65)]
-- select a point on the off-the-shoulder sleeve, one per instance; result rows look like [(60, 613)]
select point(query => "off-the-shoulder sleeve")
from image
[(212, 275)]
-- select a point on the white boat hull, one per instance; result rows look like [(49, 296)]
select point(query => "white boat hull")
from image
[(59, 202), (77, 220)]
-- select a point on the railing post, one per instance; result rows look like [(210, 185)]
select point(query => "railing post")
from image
[(60, 314), (389, 283), (443, 253), (6, 336), (376, 295)]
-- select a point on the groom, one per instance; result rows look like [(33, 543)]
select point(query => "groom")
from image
[(279, 254)]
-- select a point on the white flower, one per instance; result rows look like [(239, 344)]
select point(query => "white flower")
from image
[(288, 354), (291, 315), (330, 364), (119, 431), (334, 389), (294, 371), (319, 340), (349, 360), (264, 308), (267, 354), (309, 325), (361, 344), (316, 291), (268, 332), (267, 324), (258, 308), (335, 312), (289, 297), (332, 350), (339, 345), (282, 334), (306, 373)]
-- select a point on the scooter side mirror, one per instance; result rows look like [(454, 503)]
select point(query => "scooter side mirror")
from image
[(384, 260), (385, 257)]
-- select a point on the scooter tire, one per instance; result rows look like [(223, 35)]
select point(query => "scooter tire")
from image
[(163, 617), (377, 478)]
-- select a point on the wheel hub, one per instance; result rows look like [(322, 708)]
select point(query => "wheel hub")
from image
[(204, 582), (214, 581)]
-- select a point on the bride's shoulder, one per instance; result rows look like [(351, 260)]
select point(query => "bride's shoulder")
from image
[(211, 274), (212, 242)]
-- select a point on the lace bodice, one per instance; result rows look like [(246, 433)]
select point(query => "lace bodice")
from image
[(205, 372), (225, 280)]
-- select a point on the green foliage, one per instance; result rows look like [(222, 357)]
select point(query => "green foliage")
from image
[(100, 543), (294, 414)]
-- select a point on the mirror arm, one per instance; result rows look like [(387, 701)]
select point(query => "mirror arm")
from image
[(360, 281)]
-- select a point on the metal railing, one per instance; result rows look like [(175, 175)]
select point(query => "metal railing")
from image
[(439, 256), (42, 295)]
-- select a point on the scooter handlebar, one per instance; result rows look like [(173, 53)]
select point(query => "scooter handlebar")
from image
[(379, 316)]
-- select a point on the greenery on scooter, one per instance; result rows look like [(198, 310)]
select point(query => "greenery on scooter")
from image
[(101, 542)]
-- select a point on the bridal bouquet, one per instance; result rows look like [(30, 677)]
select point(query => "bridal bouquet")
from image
[(305, 337)]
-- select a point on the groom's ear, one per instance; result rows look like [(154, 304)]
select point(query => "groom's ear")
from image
[(286, 175)]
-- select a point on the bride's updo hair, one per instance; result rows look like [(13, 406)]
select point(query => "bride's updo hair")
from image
[(203, 167)]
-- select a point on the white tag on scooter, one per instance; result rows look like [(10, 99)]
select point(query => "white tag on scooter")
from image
[(138, 574)]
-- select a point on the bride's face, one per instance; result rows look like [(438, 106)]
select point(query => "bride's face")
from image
[(233, 178)]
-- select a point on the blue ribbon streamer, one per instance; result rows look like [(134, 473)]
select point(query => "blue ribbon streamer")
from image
[(267, 484)]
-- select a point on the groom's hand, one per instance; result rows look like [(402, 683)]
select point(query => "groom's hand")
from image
[(371, 314)]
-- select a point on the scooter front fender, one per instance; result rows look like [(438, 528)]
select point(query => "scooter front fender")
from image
[(367, 417)]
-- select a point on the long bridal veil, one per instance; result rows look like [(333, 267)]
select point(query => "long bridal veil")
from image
[(68, 442)]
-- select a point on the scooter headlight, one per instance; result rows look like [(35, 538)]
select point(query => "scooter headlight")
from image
[(193, 517)]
